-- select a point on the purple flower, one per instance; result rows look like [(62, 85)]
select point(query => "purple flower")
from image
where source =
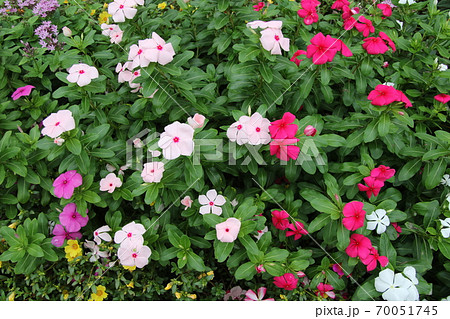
[(71, 219), (48, 35), (66, 183), (22, 91), (62, 234)]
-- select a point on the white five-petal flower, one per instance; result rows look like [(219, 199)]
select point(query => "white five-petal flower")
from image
[(393, 286), (379, 220), (445, 227), (82, 74), (445, 180), (211, 202), (102, 234)]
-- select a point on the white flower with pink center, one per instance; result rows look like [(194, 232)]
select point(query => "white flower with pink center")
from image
[(58, 141), (211, 203), (137, 54), (197, 121), (228, 231), (124, 71), (107, 29), (134, 255), (116, 37), (82, 74), (158, 50), (237, 132), (177, 140), (257, 129), (110, 182), (102, 234), (276, 24), (273, 40), (153, 172), (96, 252), (57, 123), (261, 232), (121, 9), (131, 234)]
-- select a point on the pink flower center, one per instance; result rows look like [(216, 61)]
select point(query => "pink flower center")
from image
[(129, 235), (258, 129), (239, 127), (159, 47), (81, 71), (136, 73), (277, 38), (176, 139), (152, 171), (227, 230), (74, 216), (134, 255), (211, 203), (96, 233), (139, 52), (121, 6), (110, 184), (65, 182), (57, 123)]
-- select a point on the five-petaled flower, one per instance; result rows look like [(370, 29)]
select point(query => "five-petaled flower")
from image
[(71, 219), (287, 281), (65, 184), (177, 140), (82, 74), (22, 91), (211, 203), (228, 231), (379, 220), (57, 123), (110, 182), (153, 172), (353, 215), (250, 295)]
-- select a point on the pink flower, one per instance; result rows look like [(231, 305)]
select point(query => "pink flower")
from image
[(337, 268), (259, 6), (177, 140), (228, 231), (187, 201), (296, 54), (371, 260), (273, 40), (157, 50), (71, 219), (197, 121), (397, 228), (261, 232), (385, 64), (283, 128), (110, 182), (58, 141), (349, 23), (263, 25), (250, 295), (116, 37), (153, 172), (354, 215), (373, 186), (260, 269), (283, 150), (383, 95), (443, 98), (211, 202), (359, 246), (62, 234), (340, 4), (82, 74), (109, 28), (130, 235), (308, 12), (280, 219), (322, 49), (124, 71), (65, 184), (310, 130), (347, 12), (137, 53), (375, 45), (382, 173), (386, 38), (287, 281), (325, 291), (365, 26), (257, 129), (297, 230), (134, 255), (237, 133), (57, 123), (121, 9), (137, 142), (102, 234), (95, 250), (385, 8), (22, 91)]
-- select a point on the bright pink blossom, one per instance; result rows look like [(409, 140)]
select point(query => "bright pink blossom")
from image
[(386, 38), (385, 8), (354, 215), (382, 173), (287, 281), (365, 26), (283, 149), (371, 260), (340, 4), (283, 128), (325, 290), (61, 234), (359, 246), (322, 49), (373, 186), (296, 230), (397, 228), (296, 54), (259, 6), (250, 295), (187, 202), (443, 98), (22, 91), (383, 95), (349, 23), (308, 12), (375, 45), (337, 268), (71, 219), (403, 98), (65, 184), (280, 219)]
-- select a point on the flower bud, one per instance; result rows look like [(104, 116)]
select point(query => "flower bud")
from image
[(197, 121), (67, 32), (310, 130)]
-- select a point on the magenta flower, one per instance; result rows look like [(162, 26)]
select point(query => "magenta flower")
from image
[(443, 98), (22, 91), (354, 215), (287, 281), (371, 260), (310, 130), (280, 219), (71, 219), (296, 230), (325, 290), (385, 8), (322, 49), (359, 246), (340, 4), (365, 26), (337, 268), (383, 95), (382, 173), (373, 186), (66, 183), (62, 234), (283, 149), (283, 128)]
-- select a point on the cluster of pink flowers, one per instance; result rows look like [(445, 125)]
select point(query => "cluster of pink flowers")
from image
[(132, 251), (360, 246), (70, 224), (308, 11), (112, 31), (386, 94), (40, 7), (253, 130), (280, 220), (376, 180), (126, 74)]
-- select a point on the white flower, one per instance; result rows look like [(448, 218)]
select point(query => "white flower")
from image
[(404, 2), (445, 180), (273, 40), (130, 235), (82, 74), (237, 133), (121, 9), (110, 182), (261, 232), (394, 287), (153, 172), (177, 140), (379, 220), (102, 234), (263, 25), (211, 202), (442, 67), (234, 202), (154, 153), (400, 23), (258, 130), (389, 83), (67, 32), (96, 252), (116, 37), (413, 293), (58, 141), (109, 28), (445, 231), (110, 168)]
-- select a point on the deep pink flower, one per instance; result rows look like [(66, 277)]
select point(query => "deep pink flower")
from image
[(325, 290), (382, 173), (322, 49), (340, 4), (65, 184), (296, 54), (287, 281), (22, 91), (347, 12), (310, 130), (373, 186), (349, 23), (283, 128), (386, 38), (280, 219), (371, 260), (385, 64), (443, 98), (308, 12), (397, 228), (354, 215), (283, 149), (365, 26), (62, 234), (71, 219), (343, 48), (401, 97), (297, 230), (259, 6), (385, 8), (337, 268), (375, 45), (359, 246), (383, 95), (260, 269)]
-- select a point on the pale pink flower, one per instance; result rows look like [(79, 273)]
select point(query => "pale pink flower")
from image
[(102, 234), (273, 40), (134, 255), (187, 201), (137, 53), (237, 132), (211, 202), (158, 50), (177, 140), (96, 252), (257, 130), (250, 295), (22, 91), (110, 182), (234, 293), (138, 143), (109, 28), (110, 168), (82, 74), (116, 37), (57, 123), (228, 231), (263, 25), (151, 95), (131, 234), (58, 141), (310, 130), (154, 153), (67, 32), (153, 172), (121, 9), (124, 71), (197, 121)]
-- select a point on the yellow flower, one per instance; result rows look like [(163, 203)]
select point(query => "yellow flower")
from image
[(271, 1), (13, 225), (103, 17), (65, 294), (172, 7), (11, 296), (210, 273), (178, 295), (162, 5), (130, 285), (105, 5), (100, 294), (283, 297), (73, 250), (152, 204), (169, 285), (192, 296), (130, 268), (65, 1), (201, 276), (92, 12), (0, 264)]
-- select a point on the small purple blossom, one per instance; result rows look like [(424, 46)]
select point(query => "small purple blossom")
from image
[(48, 35)]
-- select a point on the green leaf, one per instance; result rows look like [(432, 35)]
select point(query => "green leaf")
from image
[(366, 291), (249, 244), (195, 262), (49, 253), (91, 197), (384, 124), (212, 219), (319, 222), (433, 178), (444, 248), (35, 250), (434, 154), (274, 269), (222, 250), (266, 72), (276, 254), (245, 271), (409, 169), (17, 168), (73, 145), (102, 153), (386, 249), (370, 133), (9, 235)]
